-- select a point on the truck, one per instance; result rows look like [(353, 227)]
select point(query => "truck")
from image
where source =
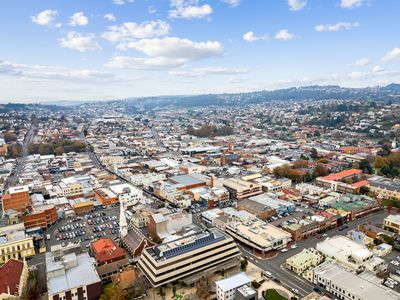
[(48, 237)]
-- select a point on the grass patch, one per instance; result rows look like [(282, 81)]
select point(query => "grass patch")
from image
[(272, 294)]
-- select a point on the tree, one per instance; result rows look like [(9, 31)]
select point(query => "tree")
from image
[(385, 151), (174, 290), (243, 264), (380, 162), (314, 154), (365, 166), (364, 190), (59, 150), (112, 292), (300, 163), (203, 286), (31, 290), (10, 137)]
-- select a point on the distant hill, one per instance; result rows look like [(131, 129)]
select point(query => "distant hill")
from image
[(390, 92)]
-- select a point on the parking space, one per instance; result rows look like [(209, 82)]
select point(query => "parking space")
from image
[(393, 262), (84, 229)]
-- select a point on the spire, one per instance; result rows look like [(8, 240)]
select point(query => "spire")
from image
[(123, 226)]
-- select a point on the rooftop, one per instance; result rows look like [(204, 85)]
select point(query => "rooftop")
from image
[(233, 282)]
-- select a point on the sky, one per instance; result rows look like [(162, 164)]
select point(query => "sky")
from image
[(114, 49)]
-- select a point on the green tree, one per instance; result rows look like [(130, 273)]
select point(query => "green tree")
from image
[(10, 137), (365, 166), (112, 292), (243, 264), (314, 154)]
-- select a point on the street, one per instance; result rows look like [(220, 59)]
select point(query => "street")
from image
[(289, 279)]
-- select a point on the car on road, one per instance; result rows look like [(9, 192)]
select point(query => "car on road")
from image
[(284, 250), (395, 263), (295, 291), (397, 272), (267, 274)]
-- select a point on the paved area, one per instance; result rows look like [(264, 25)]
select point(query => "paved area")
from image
[(287, 278), (84, 229)]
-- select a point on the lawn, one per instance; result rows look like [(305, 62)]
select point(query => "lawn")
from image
[(272, 294)]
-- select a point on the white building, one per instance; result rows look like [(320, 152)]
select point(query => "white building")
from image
[(346, 285), (226, 288), (351, 255), (127, 193)]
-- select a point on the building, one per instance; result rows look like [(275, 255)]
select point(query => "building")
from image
[(256, 208), (162, 225), (105, 196), (347, 181), (13, 278), (105, 251), (306, 259), (280, 206), (41, 216), (257, 234), (385, 188), (17, 199), (346, 285), (186, 182), (189, 257), (241, 189), (128, 195), (71, 274), (302, 229), (392, 223), (246, 292), (226, 288), (14, 243), (351, 255)]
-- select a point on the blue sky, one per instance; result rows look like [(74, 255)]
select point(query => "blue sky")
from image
[(111, 49)]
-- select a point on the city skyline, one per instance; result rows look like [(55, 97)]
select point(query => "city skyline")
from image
[(117, 49)]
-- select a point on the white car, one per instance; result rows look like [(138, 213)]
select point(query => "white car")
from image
[(295, 291), (395, 263), (284, 250)]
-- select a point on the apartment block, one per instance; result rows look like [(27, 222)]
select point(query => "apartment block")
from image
[(188, 256)]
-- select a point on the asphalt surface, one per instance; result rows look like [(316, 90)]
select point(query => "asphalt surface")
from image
[(291, 280), (20, 161)]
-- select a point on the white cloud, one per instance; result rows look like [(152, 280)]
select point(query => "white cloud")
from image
[(362, 62), (350, 3), (202, 72), (251, 37), (130, 30), (232, 3), (122, 2), (391, 55), (78, 19), (378, 69), (45, 18), (39, 72), (189, 9), (284, 35), (80, 42), (337, 26), (165, 52), (297, 4), (110, 17)]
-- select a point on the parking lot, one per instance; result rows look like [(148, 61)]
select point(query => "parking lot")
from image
[(85, 228)]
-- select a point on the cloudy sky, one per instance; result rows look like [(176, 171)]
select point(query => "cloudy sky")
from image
[(111, 49)]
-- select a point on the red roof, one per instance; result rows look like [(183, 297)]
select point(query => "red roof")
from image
[(10, 276), (360, 183), (105, 250), (341, 175)]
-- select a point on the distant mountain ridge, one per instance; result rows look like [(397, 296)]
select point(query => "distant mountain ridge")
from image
[(390, 92)]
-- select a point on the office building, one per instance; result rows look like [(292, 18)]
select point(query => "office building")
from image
[(188, 257)]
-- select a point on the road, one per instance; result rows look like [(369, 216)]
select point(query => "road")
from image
[(156, 136), (289, 279), (20, 162)]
